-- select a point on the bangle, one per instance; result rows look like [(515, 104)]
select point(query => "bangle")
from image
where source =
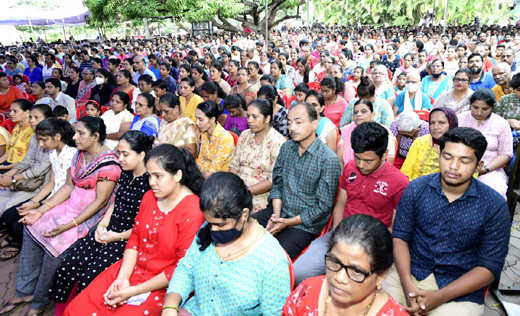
[(74, 220), (103, 225), (122, 237), (167, 307), (48, 204), (33, 202)]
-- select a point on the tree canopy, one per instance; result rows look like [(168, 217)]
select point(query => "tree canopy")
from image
[(231, 15), (403, 12)]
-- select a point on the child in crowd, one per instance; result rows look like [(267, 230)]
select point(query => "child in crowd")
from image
[(58, 74), (17, 79), (300, 91), (93, 109), (61, 113), (236, 121), (267, 79), (356, 76), (401, 83)]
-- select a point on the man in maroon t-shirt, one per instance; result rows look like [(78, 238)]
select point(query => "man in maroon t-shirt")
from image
[(368, 185)]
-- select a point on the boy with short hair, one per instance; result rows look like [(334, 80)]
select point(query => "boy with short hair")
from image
[(300, 91)]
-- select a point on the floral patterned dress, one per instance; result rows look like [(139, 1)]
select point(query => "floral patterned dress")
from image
[(19, 143), (304, 301), (280, 121), (216, 150), (255, 162)]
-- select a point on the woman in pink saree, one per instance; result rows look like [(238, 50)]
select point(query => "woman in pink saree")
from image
[(67, 216)]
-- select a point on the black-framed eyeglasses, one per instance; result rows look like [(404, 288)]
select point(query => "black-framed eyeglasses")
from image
[(354, 273)]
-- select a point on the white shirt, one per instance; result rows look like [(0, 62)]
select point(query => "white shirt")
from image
[(47, 72), (136, 93), (60, 165), (66, 101)]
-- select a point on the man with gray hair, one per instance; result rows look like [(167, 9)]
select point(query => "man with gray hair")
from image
[(502, 76), (508, 56), (412, 98)]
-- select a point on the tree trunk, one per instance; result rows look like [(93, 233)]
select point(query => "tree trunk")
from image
[(183, 27)]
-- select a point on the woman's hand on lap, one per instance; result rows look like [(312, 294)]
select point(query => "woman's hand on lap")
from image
[(99, 235), (108, 237), (53, 232), (113, 296), (27, 206), (29, 217)]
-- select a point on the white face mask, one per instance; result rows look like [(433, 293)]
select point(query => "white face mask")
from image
[(412, 87), (100, 81)]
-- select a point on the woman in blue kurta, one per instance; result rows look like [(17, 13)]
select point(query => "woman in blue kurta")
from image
[(234, 266)]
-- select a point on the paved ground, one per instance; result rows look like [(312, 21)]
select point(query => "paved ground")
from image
[(510, 277), (7, 287)]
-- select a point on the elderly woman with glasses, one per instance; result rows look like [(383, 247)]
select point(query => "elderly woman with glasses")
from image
[(384, 90), (457, 98), (358, 259)]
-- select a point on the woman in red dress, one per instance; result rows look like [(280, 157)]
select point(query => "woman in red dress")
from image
[(168, 219), (352, 284)]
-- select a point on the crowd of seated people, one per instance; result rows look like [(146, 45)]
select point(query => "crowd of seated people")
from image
[(331, 170)]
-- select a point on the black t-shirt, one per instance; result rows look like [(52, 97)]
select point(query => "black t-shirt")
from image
[(72, 89)]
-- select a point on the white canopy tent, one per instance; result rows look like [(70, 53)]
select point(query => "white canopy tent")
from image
[(68, 15), (65, 16)]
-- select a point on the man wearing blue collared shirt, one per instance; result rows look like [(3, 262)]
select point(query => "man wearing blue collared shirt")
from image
[(451, 234), (480, 78)]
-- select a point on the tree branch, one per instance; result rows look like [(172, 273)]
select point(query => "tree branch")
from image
[(251, 4), (287, 17)]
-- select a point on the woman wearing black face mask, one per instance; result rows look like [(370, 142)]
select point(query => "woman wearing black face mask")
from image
[(436, 83), (234, 266)]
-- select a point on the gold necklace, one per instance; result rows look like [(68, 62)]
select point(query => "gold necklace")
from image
[(92, 158), (366, 312), (241, 253)]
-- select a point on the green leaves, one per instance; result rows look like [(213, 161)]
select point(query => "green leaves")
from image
[(404, 12)]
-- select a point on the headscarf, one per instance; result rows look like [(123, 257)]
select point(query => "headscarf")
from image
[(453, 121), (24, 61)]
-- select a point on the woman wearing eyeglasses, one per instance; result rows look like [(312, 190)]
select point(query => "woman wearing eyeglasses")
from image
[(457, 98), (358, 259)]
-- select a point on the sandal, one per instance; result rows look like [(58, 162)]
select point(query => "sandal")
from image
[(40, 312), (3, 231), (11, 253), (11, 306), (6, 242)]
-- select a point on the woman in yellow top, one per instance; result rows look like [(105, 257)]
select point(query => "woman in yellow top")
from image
[(18, 143), (216, 145), (423, 156), (4, 139), (189, 100)]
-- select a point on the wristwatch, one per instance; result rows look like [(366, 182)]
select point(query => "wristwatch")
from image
[(486, 168), (14, 180)]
